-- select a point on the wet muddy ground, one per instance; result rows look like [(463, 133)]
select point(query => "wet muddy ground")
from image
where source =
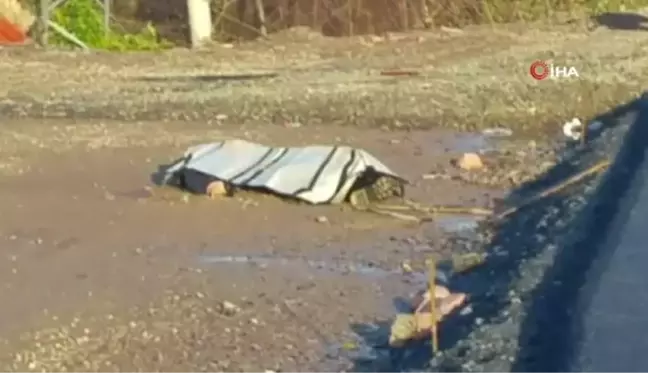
[(100, 270), (93, 251)]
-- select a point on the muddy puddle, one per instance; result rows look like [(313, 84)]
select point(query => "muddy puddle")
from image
[(365, 347), (461, 225), (478, 142), (362, 349), (315, 266), (458, 225)]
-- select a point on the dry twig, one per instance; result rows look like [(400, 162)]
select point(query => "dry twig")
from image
[(433, 315), (557, 188), (397, 215), (261, 16), (411, 205)]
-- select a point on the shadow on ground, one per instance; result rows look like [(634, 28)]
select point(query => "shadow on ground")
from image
[(622, 21), (553, 324), (209, 78), (523, 236)]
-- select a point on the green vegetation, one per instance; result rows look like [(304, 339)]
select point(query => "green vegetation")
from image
[(85, 19)]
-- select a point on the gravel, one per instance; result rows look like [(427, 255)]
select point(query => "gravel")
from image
[(477, 79)]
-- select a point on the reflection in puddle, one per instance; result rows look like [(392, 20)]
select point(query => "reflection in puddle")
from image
[(471, 143), (321, 265), (483, 142), (457, 224), (445, 267), (460, 225)]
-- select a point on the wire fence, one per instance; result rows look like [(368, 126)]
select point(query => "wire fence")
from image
[(242, 19)]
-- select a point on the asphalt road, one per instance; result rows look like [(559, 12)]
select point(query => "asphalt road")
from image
[(610, 325), (570, 293)]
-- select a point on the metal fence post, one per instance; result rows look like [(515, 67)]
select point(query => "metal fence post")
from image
[(45, 9)]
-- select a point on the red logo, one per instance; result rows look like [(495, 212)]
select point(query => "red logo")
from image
[(539, 70)]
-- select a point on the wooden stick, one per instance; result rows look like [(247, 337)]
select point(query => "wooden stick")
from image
[(404, 15), (405, 217), (411, 205), (553, 190), (261, 18), (433, 313), (425, 14), (350, 19)]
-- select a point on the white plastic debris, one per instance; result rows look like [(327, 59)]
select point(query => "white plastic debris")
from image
[(497, 132), (573, 129)]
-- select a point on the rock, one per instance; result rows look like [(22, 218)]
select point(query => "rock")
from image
[(292, 125), (451, 30), (406, 267), (321, 219), (470, 161), (466, 311), (229, 308)]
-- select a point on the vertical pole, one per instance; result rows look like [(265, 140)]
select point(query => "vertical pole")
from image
[(200, 22), (43, 20), (404, 15), (316, 24), (107, 16), (351, 26), (433, 306), (425, 14)]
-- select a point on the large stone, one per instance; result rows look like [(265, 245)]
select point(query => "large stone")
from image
[(470, 161)]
